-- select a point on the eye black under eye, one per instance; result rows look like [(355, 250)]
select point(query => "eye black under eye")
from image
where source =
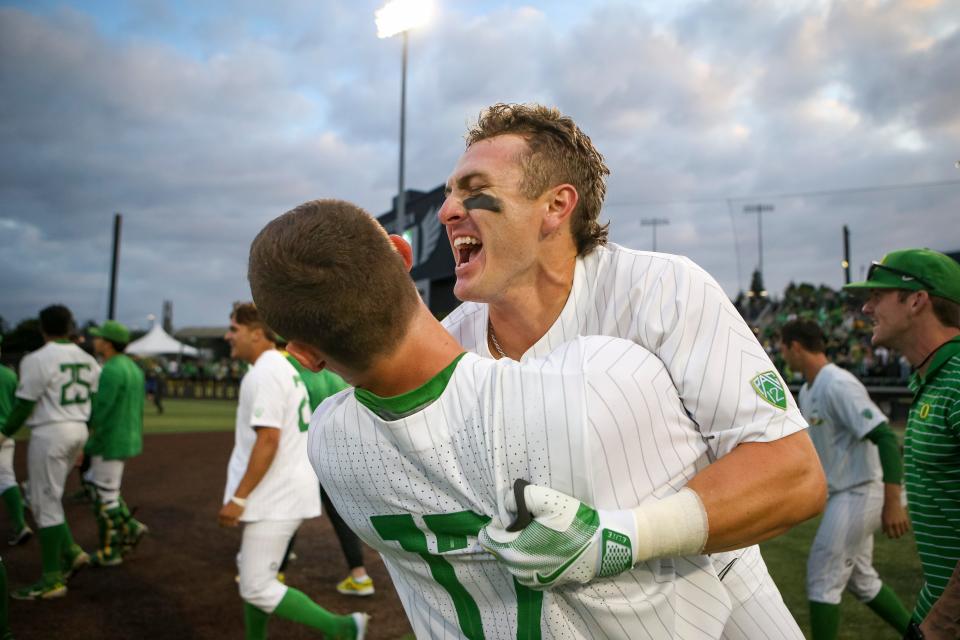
[(483, 201)]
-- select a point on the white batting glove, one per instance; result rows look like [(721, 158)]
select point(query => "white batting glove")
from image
[(566, 542)]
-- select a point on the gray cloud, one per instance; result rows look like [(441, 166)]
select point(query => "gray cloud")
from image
[(201, 126)]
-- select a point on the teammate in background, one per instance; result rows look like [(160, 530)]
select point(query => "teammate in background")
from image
[(914, 302), (116, 425), (861, 457), (53, 399), (532, 258), (320, 386), (423, 453), (9, 488), (270, 486)]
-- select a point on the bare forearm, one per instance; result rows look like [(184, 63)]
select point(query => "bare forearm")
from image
[(261, 457), (760, 490), (943, 621)]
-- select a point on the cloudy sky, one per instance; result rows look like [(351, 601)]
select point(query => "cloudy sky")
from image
[(200, 121)]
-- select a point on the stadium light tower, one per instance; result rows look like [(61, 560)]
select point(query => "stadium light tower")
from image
[(654, 222), (399, 16), (759, 209)]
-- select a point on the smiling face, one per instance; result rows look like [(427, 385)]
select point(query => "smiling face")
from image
[(242, 339), (493, 229), (890, 315)]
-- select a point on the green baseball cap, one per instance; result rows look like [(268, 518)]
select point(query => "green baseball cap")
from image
[(914, 270), (113, 331)]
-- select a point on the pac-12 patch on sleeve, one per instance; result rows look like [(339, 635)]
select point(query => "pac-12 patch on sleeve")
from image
[(770, 389)]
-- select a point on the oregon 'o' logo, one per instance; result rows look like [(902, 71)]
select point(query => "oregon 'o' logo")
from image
[(924, 410)]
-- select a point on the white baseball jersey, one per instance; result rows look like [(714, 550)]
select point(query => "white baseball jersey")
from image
[(727, 383), (59, 377), (272, 395), (841, 414), (418, 476)]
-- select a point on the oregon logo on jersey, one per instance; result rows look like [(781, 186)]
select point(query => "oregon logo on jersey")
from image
[(768, 386)]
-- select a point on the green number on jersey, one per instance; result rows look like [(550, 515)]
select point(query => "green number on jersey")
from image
[(451, 531), (303, 411), (80, 396)]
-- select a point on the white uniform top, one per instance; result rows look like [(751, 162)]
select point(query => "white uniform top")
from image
[(672, 307), (272, 395), (598, 419), (841, 414), (59, 377)]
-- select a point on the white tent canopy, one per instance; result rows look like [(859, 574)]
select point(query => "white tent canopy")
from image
[(158, 342)]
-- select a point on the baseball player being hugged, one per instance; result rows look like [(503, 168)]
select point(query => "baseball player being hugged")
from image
[(420, 458), (9, 489), (53, 399), (116, 426), (861, 457), (271, 488)]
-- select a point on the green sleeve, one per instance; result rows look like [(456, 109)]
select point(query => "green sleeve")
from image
[(18, 415), (102, 401), (889, 448)]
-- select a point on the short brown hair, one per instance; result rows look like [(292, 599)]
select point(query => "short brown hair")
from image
[(246, 313), (559, 153), (805, 332), (326, 274), (946, 311)]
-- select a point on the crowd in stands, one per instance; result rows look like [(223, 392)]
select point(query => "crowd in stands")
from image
[(845, 327)]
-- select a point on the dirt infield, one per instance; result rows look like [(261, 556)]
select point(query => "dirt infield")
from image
[(180, 581)]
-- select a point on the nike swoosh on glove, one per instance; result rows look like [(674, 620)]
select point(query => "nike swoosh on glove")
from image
[(567, 541)]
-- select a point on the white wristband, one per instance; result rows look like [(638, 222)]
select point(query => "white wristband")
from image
[(674, 526), (240, 502)]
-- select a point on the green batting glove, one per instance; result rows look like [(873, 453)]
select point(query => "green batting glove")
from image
[(566, 542)]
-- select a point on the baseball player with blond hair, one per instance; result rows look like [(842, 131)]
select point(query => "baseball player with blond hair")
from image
[(535, 267), (421, 456), (270, 486)]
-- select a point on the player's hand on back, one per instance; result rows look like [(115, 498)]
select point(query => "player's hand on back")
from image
[(566, 541)]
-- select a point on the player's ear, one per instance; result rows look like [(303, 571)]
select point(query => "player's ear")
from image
[(560, 202), (307, 355), (404, 249)]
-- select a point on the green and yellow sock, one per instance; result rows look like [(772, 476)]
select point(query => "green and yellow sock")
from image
[(824, 620), (887, 605), (14, 500), (254, 622), (297, 606)]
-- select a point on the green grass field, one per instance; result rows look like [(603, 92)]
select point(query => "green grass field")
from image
[(786, 556), (185, 416)]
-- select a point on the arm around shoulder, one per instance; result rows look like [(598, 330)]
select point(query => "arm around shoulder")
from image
[(760, 490)]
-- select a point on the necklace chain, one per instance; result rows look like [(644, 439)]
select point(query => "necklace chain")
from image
[(493, 339)]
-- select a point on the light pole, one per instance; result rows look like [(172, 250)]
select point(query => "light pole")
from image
[(399, 16), (654, 222), (759, 209)]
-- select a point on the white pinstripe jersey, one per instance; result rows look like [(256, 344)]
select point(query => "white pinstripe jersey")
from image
[(672, 307), (598, 419), (841, 414)]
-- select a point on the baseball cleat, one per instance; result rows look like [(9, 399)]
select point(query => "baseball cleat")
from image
[(362, 620), (110, 558), (74, 560), (20, 536), (42, 590), (350, 586), (134, 534)]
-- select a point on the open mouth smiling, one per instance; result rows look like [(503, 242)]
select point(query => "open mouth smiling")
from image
[(466, 248)]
